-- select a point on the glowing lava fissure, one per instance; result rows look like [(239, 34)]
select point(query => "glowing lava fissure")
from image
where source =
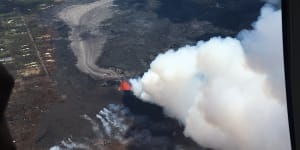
[(137, 106), (125, 86)]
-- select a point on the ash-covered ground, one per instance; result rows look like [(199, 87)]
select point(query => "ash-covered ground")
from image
[(98, 42)]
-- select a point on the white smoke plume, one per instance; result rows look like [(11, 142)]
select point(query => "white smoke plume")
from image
[(113, 121), (264, 48), (229, 93), (70, 144)]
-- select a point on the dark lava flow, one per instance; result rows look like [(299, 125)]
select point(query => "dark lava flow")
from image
[(144, 28), (137, 106)]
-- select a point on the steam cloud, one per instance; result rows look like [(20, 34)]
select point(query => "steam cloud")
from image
[(229, 93)]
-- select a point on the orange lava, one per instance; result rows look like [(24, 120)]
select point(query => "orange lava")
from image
[(124, 86)]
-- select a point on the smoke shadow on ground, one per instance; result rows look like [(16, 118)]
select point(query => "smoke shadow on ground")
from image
[(140, 107), (153, 130)]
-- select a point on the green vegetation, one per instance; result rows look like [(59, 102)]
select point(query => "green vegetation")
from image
[(13, 37), (23, 5), (18, 52), (25, 46)]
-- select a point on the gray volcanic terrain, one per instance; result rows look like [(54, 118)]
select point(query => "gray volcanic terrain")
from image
[(100, 42), (120, 38), (142, 29)]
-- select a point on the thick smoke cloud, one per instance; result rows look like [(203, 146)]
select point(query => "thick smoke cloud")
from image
[(227, 92), (264, 49)]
